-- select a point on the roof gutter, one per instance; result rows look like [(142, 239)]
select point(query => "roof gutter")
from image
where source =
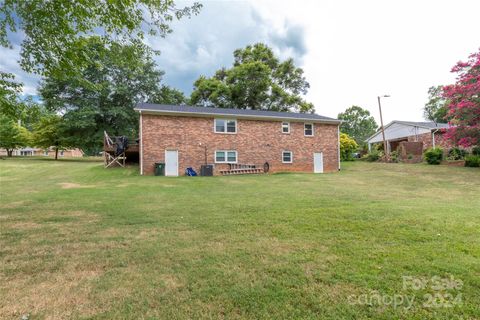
[(240, 116)]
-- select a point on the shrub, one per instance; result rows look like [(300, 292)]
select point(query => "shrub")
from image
[(476, 151), (394, 156), (472, 161), (347, 147), (456, 154), (433, 155), (373, 155)]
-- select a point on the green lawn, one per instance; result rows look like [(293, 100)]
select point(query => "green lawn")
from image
[(78, 241)]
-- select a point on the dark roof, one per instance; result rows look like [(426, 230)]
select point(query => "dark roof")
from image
[(198, 110), (427, 125)]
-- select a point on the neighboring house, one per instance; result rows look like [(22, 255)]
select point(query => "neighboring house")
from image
[(50, 152), (67, 153), (185, 136), (430, 133)]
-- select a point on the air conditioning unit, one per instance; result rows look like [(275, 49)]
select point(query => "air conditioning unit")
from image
[(206, 170)]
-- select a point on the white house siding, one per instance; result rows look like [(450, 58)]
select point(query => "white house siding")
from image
[(397, 131)]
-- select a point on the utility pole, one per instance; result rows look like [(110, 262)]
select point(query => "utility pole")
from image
[(381, 123)]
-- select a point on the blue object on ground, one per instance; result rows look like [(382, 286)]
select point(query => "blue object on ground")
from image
[(190, 172)]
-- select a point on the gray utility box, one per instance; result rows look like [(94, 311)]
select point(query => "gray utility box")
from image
[(206, 170)]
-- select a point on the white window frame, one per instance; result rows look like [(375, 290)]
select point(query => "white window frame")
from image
[(226, 156), (305, 129), (291, 156), (287, 125), (225, 126)]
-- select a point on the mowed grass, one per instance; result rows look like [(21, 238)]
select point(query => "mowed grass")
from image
[(78, 241)]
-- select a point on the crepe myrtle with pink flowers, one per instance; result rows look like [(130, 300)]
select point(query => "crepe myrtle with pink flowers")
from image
[(464, 102)]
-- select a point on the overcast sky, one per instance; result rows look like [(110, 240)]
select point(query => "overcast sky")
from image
[(351, 51)]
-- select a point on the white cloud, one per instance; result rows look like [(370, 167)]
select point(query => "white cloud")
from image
[(357, 50), (9, 63), (351, 50)]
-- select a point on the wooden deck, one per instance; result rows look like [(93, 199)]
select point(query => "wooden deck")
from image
[(132, 148), (111, 158)]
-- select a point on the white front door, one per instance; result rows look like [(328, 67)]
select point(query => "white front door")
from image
[(171, 163), (318, 162)]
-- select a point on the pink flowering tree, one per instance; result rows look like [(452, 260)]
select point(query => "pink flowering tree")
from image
[(464, 102)]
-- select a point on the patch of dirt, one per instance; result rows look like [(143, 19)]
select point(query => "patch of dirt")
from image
[(70, 185), (13, 205), (171, 282), (24, 225), (60, 296)]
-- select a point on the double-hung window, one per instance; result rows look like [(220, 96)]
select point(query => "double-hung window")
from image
[(287, 157), (225, 126), (225, 156), (285, 127), (308, 127)]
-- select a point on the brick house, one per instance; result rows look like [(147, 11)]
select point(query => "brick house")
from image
[(430, 133), (186, 136)]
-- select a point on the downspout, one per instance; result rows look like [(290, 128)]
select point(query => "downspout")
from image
[(338, 139), (141, 143)]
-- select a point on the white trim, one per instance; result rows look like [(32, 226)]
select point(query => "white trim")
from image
[(225, 127), (226, 156), (178, 164), (238, 116), (406, 123), (288, 126), (291, 156), (338, 144), (141, 144), (313, 129)]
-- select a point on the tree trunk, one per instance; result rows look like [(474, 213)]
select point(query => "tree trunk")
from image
[(9, 152), (56, 153)]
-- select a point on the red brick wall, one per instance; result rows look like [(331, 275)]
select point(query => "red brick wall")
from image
[(426, 138), (256, 142)]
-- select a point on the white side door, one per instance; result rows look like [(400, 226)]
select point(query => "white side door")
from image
[(171, 163), (318, 162)]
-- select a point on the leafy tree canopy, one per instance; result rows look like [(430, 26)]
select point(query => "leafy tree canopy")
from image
[(53, 29), (257, 80), (168, 95), (9, 89), (104, 93), (12, 135), (357, 123), (347, 147), (464, 102), (48, 132), (436, 107)]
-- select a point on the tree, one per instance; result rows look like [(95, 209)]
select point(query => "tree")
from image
[(347, 147), (102, 97), (436, 107), (464, 102), (53, 29), (9, 89), (167, 95), (12, 135), (357, 123), (48, 133), (257, 80)]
